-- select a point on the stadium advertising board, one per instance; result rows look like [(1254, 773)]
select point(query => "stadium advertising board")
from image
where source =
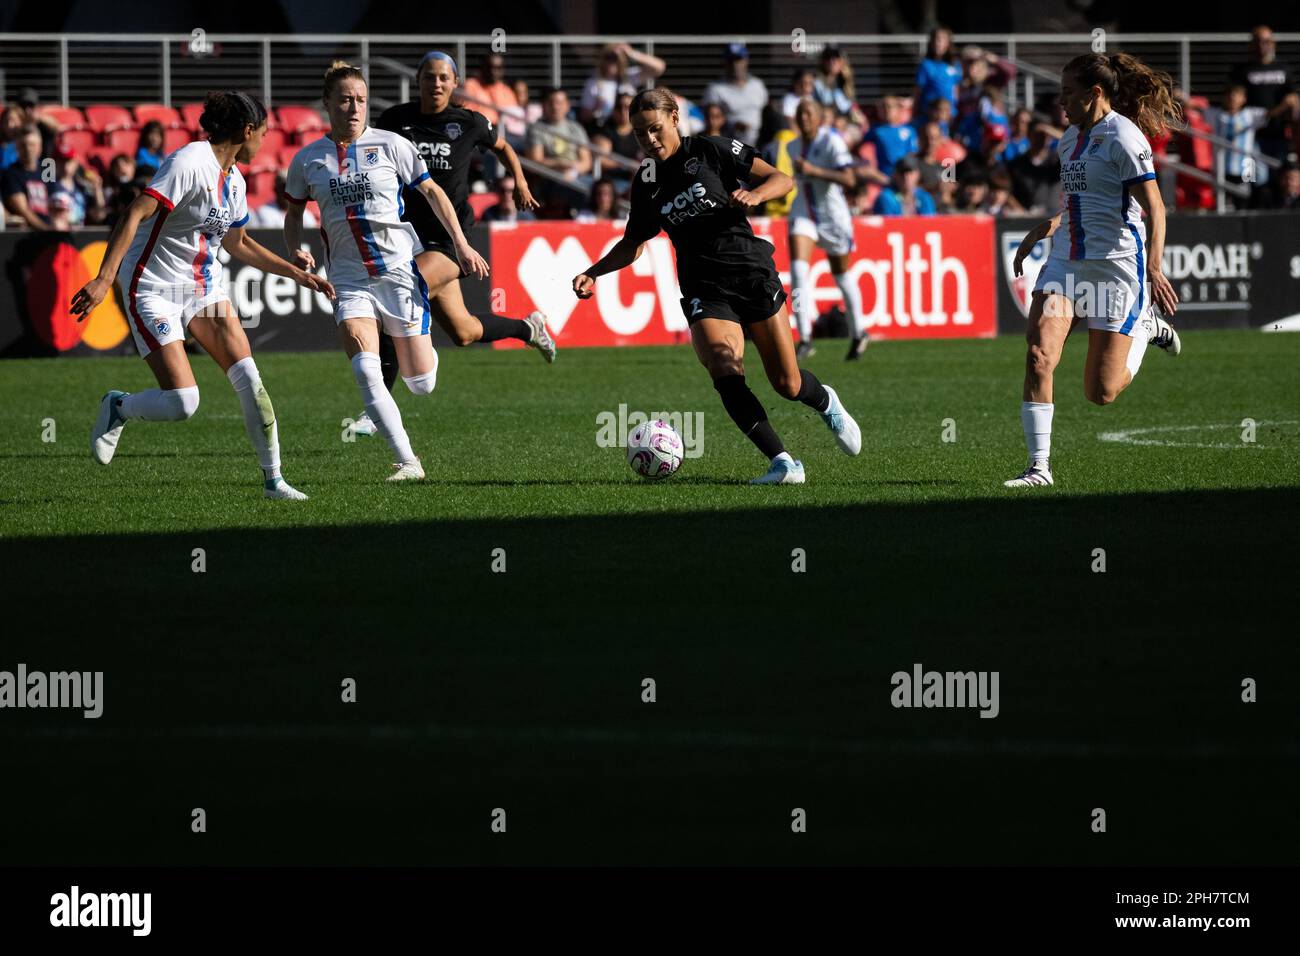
[(1230, 271), (920, 278)]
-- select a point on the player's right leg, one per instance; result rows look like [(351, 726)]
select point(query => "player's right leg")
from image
[(802, 237), (838, 257), (159, 335), (720, 347), (1050, 318)]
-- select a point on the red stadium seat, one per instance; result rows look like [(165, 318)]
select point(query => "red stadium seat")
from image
[(287, 153), (174, 139), (190, 114), (67, 117), (103, 117), (273, 140), (147, 112), (301, 119), (80, 141), (481, 202), (261, 187), (124, 140)]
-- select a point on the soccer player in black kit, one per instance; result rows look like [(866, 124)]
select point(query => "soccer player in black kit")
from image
[(447, 137), (697, 189)]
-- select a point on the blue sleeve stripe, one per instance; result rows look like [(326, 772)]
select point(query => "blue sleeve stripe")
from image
[(239, 225), (421, 178), (1139, 179)]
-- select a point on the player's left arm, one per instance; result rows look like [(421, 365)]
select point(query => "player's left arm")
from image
[(442, 208), (1148, 196), (248, 250), (523, 196), (772, 184)]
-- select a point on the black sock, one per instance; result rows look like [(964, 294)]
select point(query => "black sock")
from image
[(812, 392), (387, 359), (497, 327), (747, 412)]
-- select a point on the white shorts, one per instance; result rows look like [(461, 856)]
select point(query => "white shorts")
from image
[(399, 299), (157, 318), (834, 237), (1109, 293)]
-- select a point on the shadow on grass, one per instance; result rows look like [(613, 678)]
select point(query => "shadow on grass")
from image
[(478, 688)]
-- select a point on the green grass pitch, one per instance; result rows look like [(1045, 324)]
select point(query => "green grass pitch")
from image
[(523, 690)]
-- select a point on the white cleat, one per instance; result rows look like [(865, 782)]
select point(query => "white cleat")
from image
[(277, 489), (407, 471), (837, 418), (108, 427), (363, 426), (1032, 477), (784, 471), (541, 339), (1163, 335)]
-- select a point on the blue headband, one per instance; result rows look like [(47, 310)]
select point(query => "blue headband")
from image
[(439, 55)]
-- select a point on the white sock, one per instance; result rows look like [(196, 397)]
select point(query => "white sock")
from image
[(380, 405), (1036, 419), (160, 405), (259, 416), (1137, 348), (852, 302), (802, 294)]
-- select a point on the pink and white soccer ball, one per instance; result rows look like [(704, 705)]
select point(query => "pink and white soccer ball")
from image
[(654, 450)]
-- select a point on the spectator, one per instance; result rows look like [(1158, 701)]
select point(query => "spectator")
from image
[(777, 153), (945, 198), (972, 191), (690, 116), (939, 74), (80, 190), (935, 152), (28, 101), (489, 89), (1289, 191), (556, 141), (903, 196), (834, 85), (602, 204), (121, 171), (1036, 174), (893, 139), (11, 126), (939, 111), (150, 154), (802, 84), (620, 69), (1267, 83), (504, 209), (1017, 140), (23, 189), (742, 95), (715, 120), (1001, 200), (270, 215), (1237, 122), (616, 135)]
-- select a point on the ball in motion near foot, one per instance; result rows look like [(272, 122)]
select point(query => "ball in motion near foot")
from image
[(654, 450)]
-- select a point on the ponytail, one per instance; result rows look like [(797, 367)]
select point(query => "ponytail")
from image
[(225, 114), (1134, 89)]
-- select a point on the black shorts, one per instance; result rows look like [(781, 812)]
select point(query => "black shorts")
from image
[(739, 300), (446, 247)]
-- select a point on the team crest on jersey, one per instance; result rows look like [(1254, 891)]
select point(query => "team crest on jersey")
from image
[(1022, 287), (692, 166), (162, 328), (453, 130), (370, 156), (1096, 145)]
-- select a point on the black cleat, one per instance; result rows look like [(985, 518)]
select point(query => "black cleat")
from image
[(803, 350), (857, 347)]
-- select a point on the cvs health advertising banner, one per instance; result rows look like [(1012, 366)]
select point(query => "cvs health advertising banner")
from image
[(920, 278)]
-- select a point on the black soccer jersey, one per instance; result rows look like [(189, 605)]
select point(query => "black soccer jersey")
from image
[(446, 141), (688, 196)]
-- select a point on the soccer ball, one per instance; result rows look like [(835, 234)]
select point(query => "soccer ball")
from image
[(654, 450)]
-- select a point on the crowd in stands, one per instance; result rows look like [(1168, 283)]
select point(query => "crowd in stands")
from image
[(950, 144)]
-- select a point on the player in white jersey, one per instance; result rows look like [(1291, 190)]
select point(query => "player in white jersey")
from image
[(1102, 268), (356, 175), (820, 214), (171, 281)]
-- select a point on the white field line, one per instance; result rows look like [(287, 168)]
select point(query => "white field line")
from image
[(1128, 436)]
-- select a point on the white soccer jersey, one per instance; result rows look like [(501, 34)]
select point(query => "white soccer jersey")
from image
[(1100, 218), (359, 192), (819, 199), (176, 255)]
